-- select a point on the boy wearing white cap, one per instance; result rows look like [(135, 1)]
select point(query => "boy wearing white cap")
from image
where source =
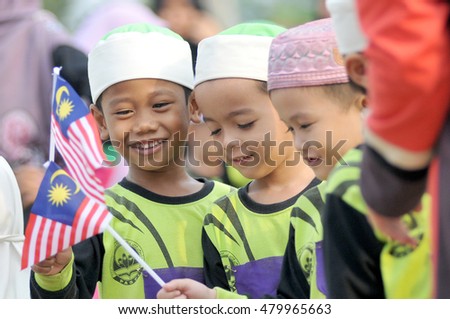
[(140, 76), (245, 235), (375, 266)]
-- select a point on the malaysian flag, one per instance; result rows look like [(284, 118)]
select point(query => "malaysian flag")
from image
[(76, 137), (62, 215)]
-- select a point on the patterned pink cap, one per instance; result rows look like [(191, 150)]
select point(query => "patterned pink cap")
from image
[(306, 55)]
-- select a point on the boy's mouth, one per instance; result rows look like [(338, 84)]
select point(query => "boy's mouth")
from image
[(243, 160), (147, 147), (312, 161)]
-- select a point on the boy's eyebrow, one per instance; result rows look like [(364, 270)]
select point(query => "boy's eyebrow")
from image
[(155, 93), (239, 112), (231, 114), (299, 115)]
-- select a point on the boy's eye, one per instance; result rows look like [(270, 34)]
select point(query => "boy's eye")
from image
[(123, 112), (160, 105), (304, 126), (246, 125), (215, 132), (290, 129)]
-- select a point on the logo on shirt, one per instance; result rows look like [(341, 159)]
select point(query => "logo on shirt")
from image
[(305, 258), (229, 262), (125, 269)]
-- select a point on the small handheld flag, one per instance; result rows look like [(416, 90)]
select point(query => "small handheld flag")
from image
[(76, 137), (62, 215)]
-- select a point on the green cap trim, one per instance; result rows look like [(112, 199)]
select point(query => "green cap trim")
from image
[(142, 28), (265, 29)]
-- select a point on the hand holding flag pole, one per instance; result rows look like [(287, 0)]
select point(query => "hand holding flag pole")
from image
[(68, 210)]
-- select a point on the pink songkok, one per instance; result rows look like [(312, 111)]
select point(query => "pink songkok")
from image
[(306, 55)]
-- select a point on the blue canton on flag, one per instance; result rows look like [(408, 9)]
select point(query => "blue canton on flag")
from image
[(68, 106)]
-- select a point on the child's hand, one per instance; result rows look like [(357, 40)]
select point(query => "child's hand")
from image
[(54, 264), (185, 288), (392, 227)]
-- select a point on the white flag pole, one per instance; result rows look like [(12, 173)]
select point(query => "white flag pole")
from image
[(51, 151), (135, 255)]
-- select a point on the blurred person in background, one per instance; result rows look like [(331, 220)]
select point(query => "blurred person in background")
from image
[(189, 19), (14, 282), (90, 20), (32, 41)]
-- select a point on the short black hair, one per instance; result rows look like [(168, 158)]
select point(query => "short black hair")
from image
[(343, 93)]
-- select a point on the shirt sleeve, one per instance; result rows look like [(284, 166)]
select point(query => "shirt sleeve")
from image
[(351, 253), (84, 274), (408, 75)]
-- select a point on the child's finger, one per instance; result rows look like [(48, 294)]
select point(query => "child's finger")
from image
[(42, 269), (165, 294)]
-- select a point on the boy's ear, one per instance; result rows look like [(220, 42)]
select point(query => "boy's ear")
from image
[(355, 63), (101, 124), (194, 112), (361, 102)]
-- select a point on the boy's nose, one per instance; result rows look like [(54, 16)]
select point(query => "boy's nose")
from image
[(145, 124), (229, 141)]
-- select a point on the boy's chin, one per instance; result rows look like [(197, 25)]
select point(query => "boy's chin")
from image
[(322, 172)]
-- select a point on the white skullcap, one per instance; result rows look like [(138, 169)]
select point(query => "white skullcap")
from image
[(241, 51), (349, 35), (139, 51)]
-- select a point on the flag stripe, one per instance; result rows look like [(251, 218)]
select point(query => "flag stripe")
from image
[(65, 236), (55, 238), (82, 131), (103, 221), (28, 235), (37, 252), (91, 218), (77, 228), (77, 170), (44, 239)]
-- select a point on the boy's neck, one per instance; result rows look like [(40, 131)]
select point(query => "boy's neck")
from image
[(284, 182), (170, 181)]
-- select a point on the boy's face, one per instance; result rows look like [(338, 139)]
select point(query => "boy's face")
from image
[(243, 120), (146, 120), (323, 130)]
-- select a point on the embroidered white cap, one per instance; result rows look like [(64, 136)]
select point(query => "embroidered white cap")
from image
[(138, 51), (241, 51)]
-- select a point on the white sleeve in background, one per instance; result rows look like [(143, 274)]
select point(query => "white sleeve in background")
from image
[(14, 282)]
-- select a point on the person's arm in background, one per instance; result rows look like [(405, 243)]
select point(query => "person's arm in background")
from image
[(408, 76)]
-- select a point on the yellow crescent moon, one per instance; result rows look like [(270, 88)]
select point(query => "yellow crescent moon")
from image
[(59, 92), (62, 172)]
